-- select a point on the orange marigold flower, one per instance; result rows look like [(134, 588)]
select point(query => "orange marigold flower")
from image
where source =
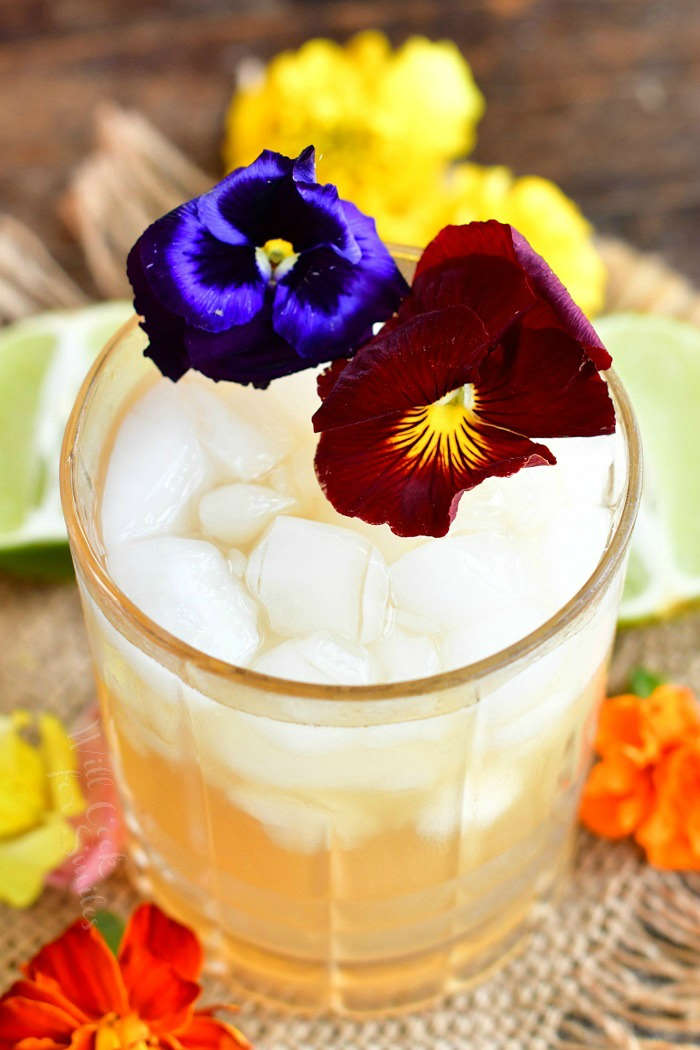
[(671, 834), (617, 797), (623, 730), (647, 783), (672, 715), (75, 994), (642, 728)]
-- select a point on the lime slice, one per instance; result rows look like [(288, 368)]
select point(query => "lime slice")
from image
[(43, 361), (658, 360)]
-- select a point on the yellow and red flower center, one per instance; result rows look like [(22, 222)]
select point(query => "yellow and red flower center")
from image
[(443, 431), (123, 1033)]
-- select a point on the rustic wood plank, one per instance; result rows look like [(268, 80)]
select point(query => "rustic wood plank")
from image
[(603, 97)]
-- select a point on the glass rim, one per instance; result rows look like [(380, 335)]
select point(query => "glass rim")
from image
[(88, 561)]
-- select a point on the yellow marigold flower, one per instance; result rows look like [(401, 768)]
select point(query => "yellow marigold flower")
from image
[(551, 222), (413, 225), (377, 116), (387, 125), (39, 793)]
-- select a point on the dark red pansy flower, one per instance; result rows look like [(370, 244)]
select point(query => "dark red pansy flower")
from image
[(487, 353)]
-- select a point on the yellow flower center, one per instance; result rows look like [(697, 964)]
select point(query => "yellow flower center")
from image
[(443, 431), (275, 258), (447, 415), (277, 250), (123, 1033)]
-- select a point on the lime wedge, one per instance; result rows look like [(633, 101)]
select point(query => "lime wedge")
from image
[(43, 361), (658, 360)]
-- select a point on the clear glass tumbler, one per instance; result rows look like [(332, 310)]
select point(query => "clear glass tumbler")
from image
[(361, 849)]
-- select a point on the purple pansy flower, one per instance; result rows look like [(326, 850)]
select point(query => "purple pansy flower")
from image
[(267, 273)]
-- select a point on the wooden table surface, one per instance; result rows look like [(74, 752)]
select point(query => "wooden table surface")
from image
[(601, 95)]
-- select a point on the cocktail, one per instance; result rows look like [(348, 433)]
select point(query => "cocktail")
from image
[(350, 690)]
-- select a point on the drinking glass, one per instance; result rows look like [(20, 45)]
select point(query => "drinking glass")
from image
[(360, 849)]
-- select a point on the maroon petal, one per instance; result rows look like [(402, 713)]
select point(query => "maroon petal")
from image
[(562, 311), (415, 364), (496, 289), (326, 380), (402, 471), (460, 242), (555, 307), (541, 383)]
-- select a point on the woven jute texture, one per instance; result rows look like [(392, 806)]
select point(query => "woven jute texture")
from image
[(616, 963)]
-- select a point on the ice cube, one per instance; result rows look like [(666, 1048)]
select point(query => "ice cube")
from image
[(279, 479), (244, 445), (156, 469), (237, 513), (147, 694), (313, 760), (304, 483), (568, 548), (486, 798), (483, 636), (313, 577), (401, 656), (586, 468), (317, 658), (457, 580), (390, 546), (237, 562), (310, 823), (533, 703), (292, 823), (482, 509), (298, 477), (298, 398), (186, 586), (525, 499)]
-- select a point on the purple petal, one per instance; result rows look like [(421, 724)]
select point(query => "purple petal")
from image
[(228, 210), (325, 307), (263, 202), (305, 166), (315, 309), (165, 330), (249, 353), (550, 288), (328, 222), (210, 284), (376, 258)]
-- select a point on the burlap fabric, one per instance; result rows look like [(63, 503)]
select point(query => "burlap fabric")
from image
[(616, 964)]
